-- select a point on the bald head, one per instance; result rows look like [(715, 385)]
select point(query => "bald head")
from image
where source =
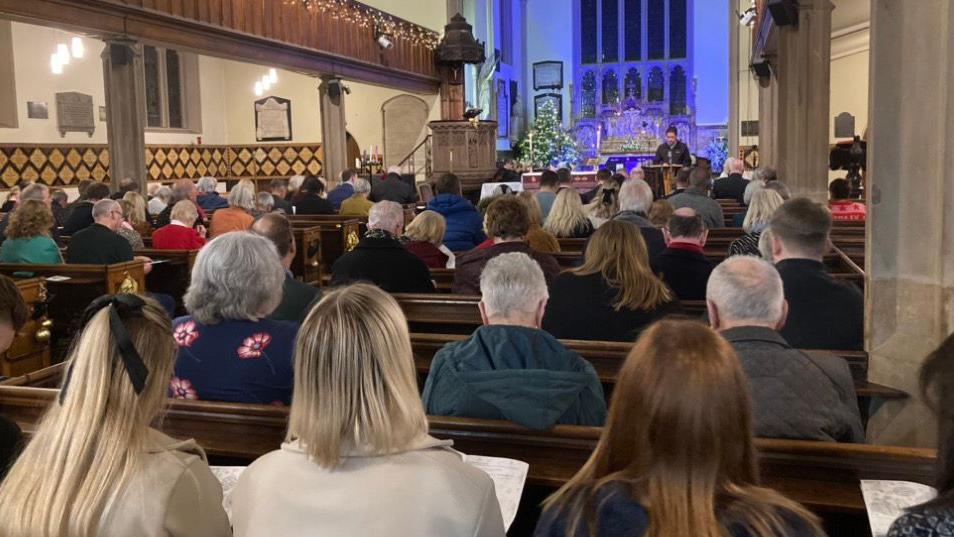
[(686, 225), (276, 228), (736, 165), (745, 291)]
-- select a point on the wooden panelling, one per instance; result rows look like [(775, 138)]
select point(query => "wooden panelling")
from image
[(61, 165), (263, 31)]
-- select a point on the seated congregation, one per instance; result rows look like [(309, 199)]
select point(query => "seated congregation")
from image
[(676, 454)]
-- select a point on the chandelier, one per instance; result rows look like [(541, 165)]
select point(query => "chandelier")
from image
[(368, 17)]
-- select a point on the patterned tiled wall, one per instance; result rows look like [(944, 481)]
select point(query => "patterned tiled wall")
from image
[(66, 165)]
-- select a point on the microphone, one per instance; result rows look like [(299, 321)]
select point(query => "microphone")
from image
[(670, 157)]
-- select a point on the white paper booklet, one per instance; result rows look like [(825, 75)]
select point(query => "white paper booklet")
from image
[(228, 476), (509, 476), (887, 500)]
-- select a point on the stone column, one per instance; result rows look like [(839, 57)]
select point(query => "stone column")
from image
[(910, 245), (793, 123), (334, 134), (125, 111), (734, 125)]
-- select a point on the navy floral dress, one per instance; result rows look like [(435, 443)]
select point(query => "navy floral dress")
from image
[(234, 361)]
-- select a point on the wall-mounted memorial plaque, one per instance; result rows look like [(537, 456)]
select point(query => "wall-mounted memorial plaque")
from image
[(554, 98), (273, 119), (74, 113), (547, 75), (37, 110)]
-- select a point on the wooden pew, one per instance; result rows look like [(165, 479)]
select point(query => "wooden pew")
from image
[(338, 234), (30, 349), (607, 358), (821, 475), (69, 298), (173, 276)]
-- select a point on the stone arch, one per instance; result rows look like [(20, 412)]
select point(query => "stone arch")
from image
[(405, 125)]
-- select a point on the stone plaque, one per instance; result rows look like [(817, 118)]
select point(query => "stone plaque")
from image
[(405, 124), (37, 110), (273, 119), (74, 113)]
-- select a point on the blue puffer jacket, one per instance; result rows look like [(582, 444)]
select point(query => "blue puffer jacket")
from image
[(524, 375), (465, 227)]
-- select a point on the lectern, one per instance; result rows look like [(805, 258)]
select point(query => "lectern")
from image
[(661, 177)]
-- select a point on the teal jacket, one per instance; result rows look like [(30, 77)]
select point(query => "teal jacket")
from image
[(38, 250), (514, 373)]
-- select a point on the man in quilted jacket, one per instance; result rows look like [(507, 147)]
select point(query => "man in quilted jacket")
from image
[(795, 395)]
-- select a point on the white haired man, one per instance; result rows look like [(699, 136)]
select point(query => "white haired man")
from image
[(510, 368), (795, 395), (381, 259), (208, 195), (358, 204), (732, 186), (635, 197), (99, 243)]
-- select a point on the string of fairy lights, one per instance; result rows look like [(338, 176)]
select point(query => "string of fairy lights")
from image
[(368, 17)]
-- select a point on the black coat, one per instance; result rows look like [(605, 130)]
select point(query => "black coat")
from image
[(312, 204), (581, 307), (392, 188), (386, 263), (98, 245), (81, 217), (685, 272), (680, 154), (823, 313), (652, 235), (731, 187)]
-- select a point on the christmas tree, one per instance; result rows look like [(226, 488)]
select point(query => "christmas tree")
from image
[(547, 143)]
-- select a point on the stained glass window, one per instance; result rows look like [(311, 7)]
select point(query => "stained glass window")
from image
[(677, 28), (633, 30), (153, 87), (656, 29), (677, 91), (588, 108), (588, 30), (610, 87), (610, 31), (657, 87), (174, 89), (633, 85)]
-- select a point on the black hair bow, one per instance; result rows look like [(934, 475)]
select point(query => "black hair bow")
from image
[(607, 198), (123, 305)]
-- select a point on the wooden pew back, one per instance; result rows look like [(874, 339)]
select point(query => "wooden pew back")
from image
[(30, 349)]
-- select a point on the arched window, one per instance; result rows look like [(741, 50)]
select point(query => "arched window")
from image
[(610, 31), (677, 92), (610, 87), (656, 29), (677, 29), (633, 28), (657, 87), (588, 108), (632, 86), (588, 30)]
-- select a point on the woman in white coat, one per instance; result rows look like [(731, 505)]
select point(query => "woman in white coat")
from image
[(358, 460)]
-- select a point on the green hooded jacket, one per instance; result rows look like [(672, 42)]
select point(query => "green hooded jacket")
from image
[(524, 375)]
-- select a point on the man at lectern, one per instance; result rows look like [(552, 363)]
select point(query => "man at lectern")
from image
[(673, 151)]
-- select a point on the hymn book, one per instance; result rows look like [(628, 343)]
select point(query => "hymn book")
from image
[(886, 501)]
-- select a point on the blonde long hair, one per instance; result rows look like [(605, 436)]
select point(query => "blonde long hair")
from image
[(355, 384), (618, 252), (566, 215), (429, 226), (90, 443), (763, 205), (678, 439), (137, 215)]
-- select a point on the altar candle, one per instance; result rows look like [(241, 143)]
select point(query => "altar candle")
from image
[(452, 161), (531, 150)]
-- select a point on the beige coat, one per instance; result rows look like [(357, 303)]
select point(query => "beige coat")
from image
[(425, 491), (173, 495)]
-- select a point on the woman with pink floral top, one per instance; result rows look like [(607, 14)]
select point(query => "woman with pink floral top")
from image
[(227, 349)]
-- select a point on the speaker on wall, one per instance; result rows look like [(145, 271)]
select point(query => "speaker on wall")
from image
[(784, 12), (761, 68)]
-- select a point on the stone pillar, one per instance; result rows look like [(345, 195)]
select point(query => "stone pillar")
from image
[(793, 122), (125, 111), (910, 245), (334, 134), (734, 125)]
